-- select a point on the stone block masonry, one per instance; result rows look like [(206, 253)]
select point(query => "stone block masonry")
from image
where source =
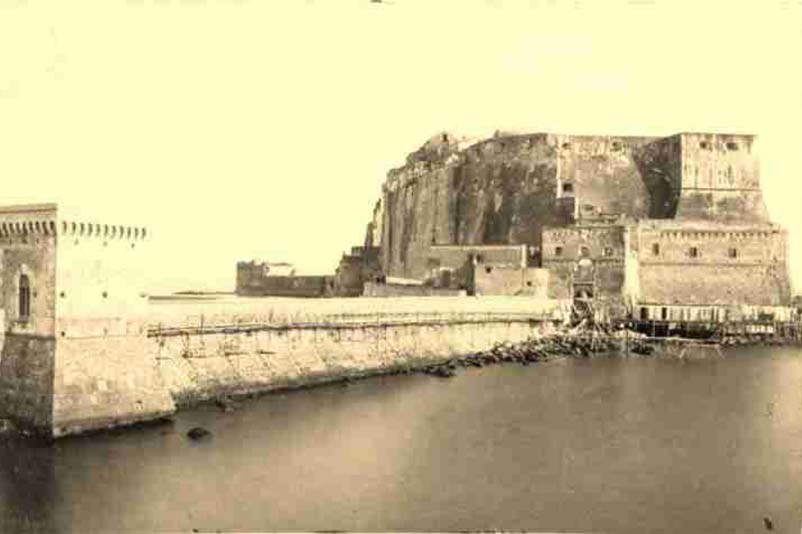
[(99, 373), (205, 361)]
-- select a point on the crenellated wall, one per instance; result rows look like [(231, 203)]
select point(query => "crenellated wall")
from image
[(698, 264)]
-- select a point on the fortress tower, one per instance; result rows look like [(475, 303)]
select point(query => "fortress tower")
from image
[(72, 292)]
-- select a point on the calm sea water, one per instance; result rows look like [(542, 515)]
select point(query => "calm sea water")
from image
[(601, 445)]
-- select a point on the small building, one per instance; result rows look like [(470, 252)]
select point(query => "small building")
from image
[(260, 280)]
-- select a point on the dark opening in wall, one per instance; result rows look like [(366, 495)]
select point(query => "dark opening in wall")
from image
[(733, 253), (558, 251), (566, 145), (488, 270), (693, 252), (664, 313), (655, 249), (732, 146), (608, 251), (529, 283), (584, 252), (24, 297), (704, 145), (568, 187)]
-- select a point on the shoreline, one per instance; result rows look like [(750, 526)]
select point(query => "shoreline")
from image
[(537, 348)]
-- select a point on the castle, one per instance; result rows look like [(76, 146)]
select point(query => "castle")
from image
[(665, 228), (660, 229)]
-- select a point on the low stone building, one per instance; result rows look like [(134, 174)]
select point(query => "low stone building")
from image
[(257, 280)]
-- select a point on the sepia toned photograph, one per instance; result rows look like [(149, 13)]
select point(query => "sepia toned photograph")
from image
[(400, 266)]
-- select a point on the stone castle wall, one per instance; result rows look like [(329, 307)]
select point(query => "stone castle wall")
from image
[(511, 280), (604, 246), (507, 190), (27, 362), (705, 265), (721, 179), (201, 363)]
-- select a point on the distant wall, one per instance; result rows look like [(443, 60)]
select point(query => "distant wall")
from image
[(284, 286), (510, 280), (373, 289)]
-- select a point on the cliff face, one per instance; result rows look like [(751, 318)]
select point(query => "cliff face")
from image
[(505, 190)]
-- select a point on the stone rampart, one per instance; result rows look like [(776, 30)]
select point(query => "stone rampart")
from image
[(209, 360), (98, 373)]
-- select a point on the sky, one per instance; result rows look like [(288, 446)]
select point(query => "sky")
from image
[(237, 129)]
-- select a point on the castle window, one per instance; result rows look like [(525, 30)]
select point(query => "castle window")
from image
[(703, 145), (568, 187), (693, 252), (655, 249), (558, 251), (584, 251), (732, 146), (608, 251), (733, 253), (529, 283), (24, 297), (488, 270)]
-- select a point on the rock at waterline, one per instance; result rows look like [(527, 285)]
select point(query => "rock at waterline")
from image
[(198, 433), (225, 404)]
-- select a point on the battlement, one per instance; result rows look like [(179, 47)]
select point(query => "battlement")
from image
[(45, 219)]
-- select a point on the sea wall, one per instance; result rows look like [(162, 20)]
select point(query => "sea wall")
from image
[(204, 362), (205, 349), (105, 376), (102, 373)]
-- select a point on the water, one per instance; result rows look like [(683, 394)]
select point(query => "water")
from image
[(609, 444)]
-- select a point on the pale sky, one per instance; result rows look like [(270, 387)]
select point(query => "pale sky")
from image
[(238, 129)]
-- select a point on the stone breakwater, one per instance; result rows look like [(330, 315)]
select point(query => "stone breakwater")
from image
[(209, 363), (560, 344)]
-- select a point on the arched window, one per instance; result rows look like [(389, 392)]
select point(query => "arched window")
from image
[(24, 297)]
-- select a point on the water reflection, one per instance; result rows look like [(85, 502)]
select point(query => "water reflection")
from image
[(612, 445), (27, 486)]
